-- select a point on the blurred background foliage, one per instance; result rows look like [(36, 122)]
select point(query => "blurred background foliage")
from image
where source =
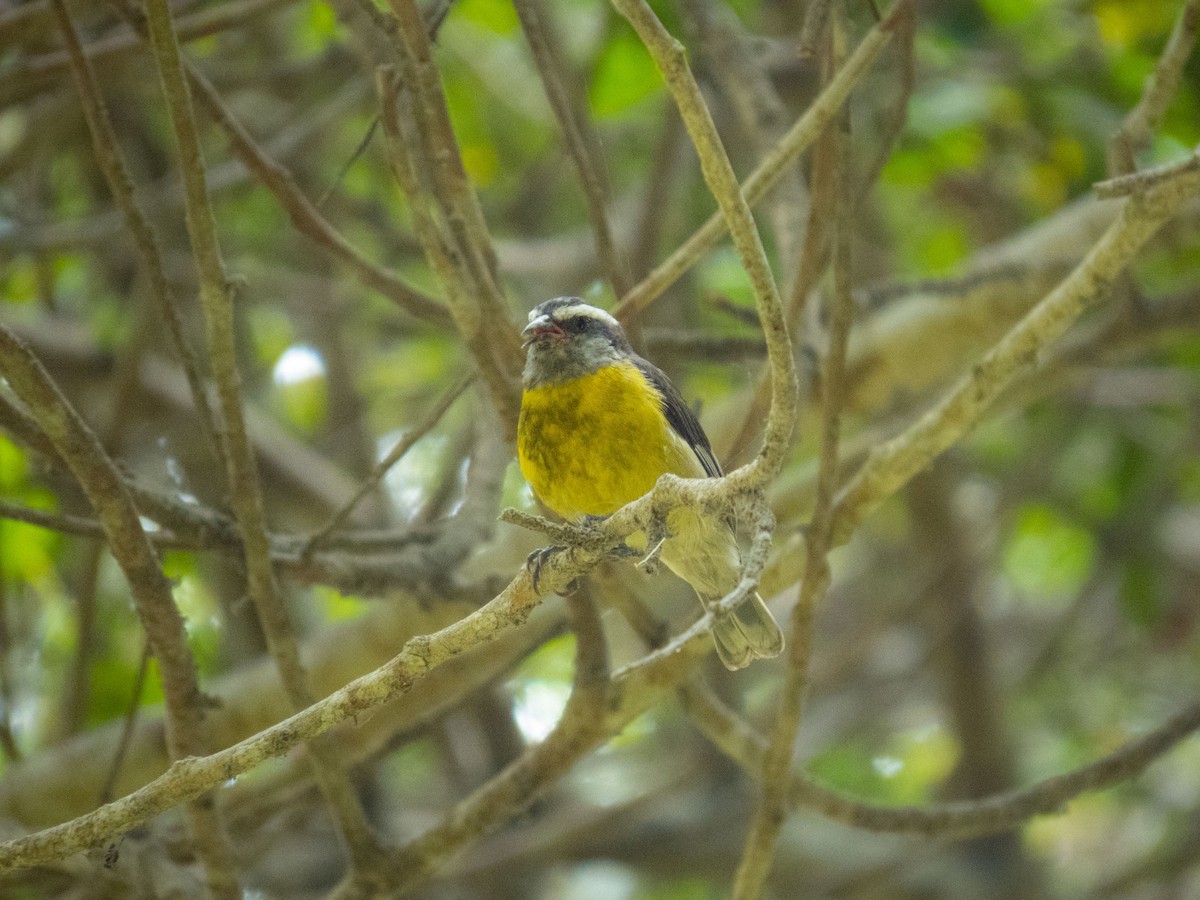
[(1034, 594)]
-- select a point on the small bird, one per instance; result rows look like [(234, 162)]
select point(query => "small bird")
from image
[(598, 426)]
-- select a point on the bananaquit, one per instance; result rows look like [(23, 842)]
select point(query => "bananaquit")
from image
[(598, 426)]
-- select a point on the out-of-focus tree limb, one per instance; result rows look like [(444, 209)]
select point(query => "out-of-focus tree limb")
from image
[(568, 100), (671, 61), (581, 725), (99, 479), (249, 700), (1138, 126), (758, 850), (35, 73), (798, 138), (112, 163), (893, 464), (282, 183), (989, 815)]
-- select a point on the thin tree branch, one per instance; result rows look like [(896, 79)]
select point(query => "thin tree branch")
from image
[(671, 61), (814, 256), (127, 726), (1138, 125), (994, 814), (241, 469), (772, 167), (8, 739), (282, 183), (399, 449), (892, 464), (759, 849), (440, 251), (892, 128), (30, 74), (568, 102), (665, 170), (102, 484), (1124, 185), (581, 726), (428, 165), (814, 28), (963, 663), (112, 164), (730, 52)]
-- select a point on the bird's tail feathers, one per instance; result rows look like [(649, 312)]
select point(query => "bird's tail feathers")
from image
[(747, 633)]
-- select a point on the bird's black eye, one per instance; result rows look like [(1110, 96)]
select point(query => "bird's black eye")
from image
[(576, 324)]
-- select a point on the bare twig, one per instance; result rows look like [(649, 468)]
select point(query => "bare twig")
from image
[(31, 73), (662, 342), (303, 213), (665, 169), (814, 255), (729, 51), (816, 23), (1124, 185), (8, 740), (1139, 124), (105, 490), (963, 660), (428, 165), (772, 167), (759, 849), (363, 144), (893, 126), (567, 100), (671, 61), (131, 715), (581, 726), (241, 469), (446, 172), (112, 164), (439, 247), (988, 815), (891, 465), (401, 447), (559, 533)]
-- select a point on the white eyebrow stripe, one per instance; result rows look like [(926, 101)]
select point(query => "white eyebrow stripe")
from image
[(583, 309)]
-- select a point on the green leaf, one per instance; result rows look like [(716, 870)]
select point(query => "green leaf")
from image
[(318, 28), (498, 16), (1047, 556), (338, 607), (625, 75)]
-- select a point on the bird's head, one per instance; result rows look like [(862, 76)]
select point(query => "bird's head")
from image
[(567, 338)]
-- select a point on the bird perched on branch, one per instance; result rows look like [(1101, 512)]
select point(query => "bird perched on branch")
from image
[(598, 426)]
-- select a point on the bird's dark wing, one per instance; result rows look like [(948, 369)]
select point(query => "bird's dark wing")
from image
[(682, 419)]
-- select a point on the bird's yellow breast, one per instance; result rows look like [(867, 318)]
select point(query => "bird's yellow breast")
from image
[(592, 444)]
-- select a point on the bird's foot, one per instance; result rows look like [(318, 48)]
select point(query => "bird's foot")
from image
[(538, 559)]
